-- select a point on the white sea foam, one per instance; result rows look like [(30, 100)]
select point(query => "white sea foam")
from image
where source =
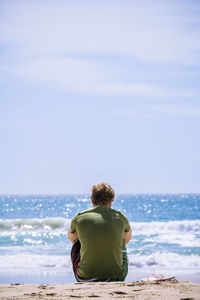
[(34, 262), (149, 228), (157, 262), (165, 262), (183, 239)]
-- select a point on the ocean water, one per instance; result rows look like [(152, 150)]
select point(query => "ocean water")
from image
[(34, 247)]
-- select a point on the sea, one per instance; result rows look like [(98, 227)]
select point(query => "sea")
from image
[(34, 247)]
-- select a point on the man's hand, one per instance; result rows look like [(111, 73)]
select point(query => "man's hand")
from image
[(127, 236), (72, 236)]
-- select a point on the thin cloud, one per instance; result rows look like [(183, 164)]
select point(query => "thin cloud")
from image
[(177, 111), (150, 31), (132, 113), (80, 76), (42, 39), (153, 112)]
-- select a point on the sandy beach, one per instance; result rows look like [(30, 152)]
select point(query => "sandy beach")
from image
[(123, 290)]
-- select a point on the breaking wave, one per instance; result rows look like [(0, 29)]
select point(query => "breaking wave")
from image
[(139, 228), (33, 224)]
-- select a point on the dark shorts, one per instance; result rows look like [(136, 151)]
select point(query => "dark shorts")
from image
[(75, 258)]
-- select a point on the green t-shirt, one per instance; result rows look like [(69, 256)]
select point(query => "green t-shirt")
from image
[(100, 231)]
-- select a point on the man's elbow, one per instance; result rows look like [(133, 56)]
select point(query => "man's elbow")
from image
[(72, 236), (127, 240), (127, 236)]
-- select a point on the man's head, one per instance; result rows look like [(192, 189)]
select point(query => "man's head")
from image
[(102, 194)]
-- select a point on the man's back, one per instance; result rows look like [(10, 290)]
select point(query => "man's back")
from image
[(100, 231)]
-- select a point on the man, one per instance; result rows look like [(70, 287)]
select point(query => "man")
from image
[(99, 235)]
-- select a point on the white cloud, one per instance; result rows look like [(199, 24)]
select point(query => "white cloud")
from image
[(150, 31)]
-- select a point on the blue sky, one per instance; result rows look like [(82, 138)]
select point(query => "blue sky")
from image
[(99, 91)]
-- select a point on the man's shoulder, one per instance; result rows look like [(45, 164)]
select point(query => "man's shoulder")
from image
[(119, 213), (83, 212)]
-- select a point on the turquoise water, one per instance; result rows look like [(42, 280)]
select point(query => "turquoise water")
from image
[(33, 234)]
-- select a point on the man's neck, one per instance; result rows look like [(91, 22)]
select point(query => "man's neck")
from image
[(107, 205)]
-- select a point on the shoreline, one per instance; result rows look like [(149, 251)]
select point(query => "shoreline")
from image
[(120, 290), (60, 277)]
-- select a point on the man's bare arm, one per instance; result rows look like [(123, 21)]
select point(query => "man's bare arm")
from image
[(127, 236), (72, 236)]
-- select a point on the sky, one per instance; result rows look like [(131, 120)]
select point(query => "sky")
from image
[(96, 91)]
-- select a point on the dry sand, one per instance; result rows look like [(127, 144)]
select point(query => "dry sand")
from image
[(114, 290)]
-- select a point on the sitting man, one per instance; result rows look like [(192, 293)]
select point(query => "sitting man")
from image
[(99, 236)]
